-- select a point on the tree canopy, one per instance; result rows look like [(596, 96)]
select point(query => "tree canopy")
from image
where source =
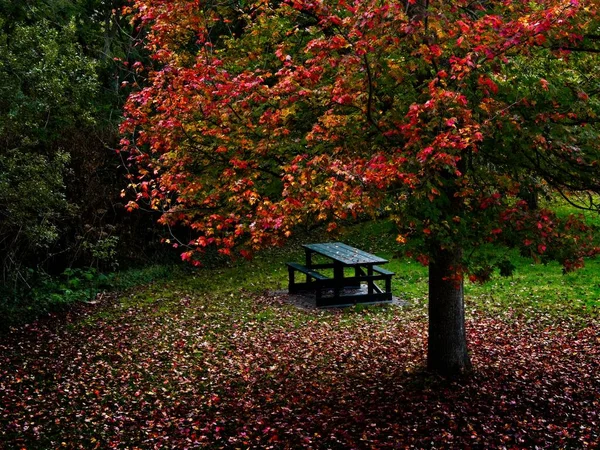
[(264, 115)]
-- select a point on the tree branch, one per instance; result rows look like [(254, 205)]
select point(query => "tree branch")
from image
[(576, 49)]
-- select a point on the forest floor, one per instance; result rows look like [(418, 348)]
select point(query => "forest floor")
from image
[(220, 358)]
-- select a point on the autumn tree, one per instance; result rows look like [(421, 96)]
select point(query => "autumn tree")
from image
[(452, 117)]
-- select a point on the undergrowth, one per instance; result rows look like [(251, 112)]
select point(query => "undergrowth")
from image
[(46, 294)]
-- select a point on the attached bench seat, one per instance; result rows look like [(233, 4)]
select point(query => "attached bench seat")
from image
[(314, 280), (306, 270), (388, 277), (383, 271)]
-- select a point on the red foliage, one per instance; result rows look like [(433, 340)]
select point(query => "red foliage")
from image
[(255, 120)]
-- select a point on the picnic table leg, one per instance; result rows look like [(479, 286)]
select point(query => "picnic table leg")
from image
[(292, 281), (309, 253), (338, 277), (388, 286), (308, 264), (370, 282), (318, 296), (357, 273)]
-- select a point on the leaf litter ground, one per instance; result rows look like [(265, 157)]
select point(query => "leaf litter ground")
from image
[(170, 368)]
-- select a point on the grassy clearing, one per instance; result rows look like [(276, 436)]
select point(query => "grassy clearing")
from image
[(533, 288)]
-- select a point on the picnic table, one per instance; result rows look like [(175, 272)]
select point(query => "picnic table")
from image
[(341, 290)]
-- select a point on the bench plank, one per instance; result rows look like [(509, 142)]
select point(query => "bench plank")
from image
[(305, 270), (383, 271)]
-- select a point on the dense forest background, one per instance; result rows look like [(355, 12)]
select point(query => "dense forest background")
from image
[(63, 79)]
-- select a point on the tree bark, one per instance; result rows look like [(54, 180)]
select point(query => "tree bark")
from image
[(447, 346)]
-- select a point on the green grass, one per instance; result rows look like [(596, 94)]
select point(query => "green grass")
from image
[(541, 289), (532, 289)]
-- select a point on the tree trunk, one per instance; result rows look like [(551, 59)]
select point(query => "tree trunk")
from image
[(447, 347)]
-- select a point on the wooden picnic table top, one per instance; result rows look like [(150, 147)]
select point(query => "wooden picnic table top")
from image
[(345, 254)]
